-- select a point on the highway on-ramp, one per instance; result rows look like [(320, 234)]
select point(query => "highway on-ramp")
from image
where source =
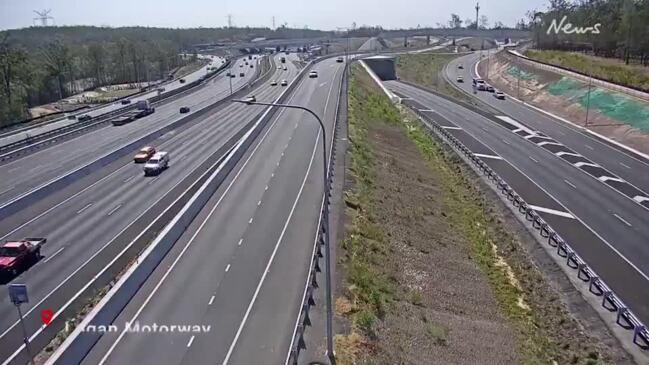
[(605, 227), (90, 227), (241, 266)]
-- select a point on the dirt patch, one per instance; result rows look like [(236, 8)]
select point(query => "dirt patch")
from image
[(430, 275), (533, 86)]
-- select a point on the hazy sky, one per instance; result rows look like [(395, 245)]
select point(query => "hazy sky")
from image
[(321, 14)]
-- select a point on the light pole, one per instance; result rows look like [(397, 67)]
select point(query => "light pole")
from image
[(590, 81), (253, 101)]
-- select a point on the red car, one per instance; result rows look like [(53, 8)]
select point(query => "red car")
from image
[(144, 154), (16, 256)]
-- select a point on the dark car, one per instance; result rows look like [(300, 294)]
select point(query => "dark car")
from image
[(241, 74), (182, 81), (125, 102), (85, 117), (184, 109)]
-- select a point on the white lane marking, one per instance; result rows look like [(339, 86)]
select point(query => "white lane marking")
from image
[(493, 157), (530, 136), (505, 142), (611, 178), (259, 203), (84, 208), (559, 154), (277, 163), (625, 165), (323, 84), (54, 254), (484, 129), (569, 183), (227, 268), (282, 155), (58, 205), (622, 220), (589, 147), (426, 110), (6, 190), (532, 158), (129, 179), (272, 175), (551, 211), (640, 198), (250, 221), (211, 300), (540, 144), (451, 127), (191, 340), (115, 209), (240, 242), (518, 130), (580, 164), (515, 123), (272, 256), (266, 188)]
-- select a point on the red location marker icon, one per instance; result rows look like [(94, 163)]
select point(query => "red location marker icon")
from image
[(46, 316)]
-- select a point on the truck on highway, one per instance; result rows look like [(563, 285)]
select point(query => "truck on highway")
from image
[(17, 256), (143, 108), (282, 59)]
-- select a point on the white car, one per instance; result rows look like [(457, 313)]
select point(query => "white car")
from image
[(157, 163), (313, 74), (284, 82), (459, 79), (499, 95)]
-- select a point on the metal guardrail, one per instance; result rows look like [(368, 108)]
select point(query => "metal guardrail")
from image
[(596, 285), (303, 321), (14, 149)]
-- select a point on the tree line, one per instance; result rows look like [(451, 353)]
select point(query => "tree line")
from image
[(39, 65), (622, 31)]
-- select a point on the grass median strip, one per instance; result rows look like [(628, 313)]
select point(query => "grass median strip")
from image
[(429, 272)]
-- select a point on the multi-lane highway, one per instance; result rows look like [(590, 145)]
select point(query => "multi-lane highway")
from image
[(85, 230), (565, 175), (19, 134), (24, 174), (241, 266)]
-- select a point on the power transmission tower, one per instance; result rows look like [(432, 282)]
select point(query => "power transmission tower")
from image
[(477, 11), (43, 17)]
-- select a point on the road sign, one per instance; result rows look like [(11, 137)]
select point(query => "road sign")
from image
[(18, 294)]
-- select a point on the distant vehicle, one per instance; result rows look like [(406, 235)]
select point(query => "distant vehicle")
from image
[(489, 88), (479, 84), (285, 68), (459, 79), (161, 90), (144, 154), (228, 74), (251, 65), (241, 74), (499, 95), (241, 65), (284, 82), (16, 256), (182, 81), (170, 77), (246, 63), (126, 102), (84, 117), (157, 163), (72, 117), (273, 83), (184, 109), (279, 67), (144, 108), (249, 57), (339, 59), (460, 66), (313, 74), (282, 59), (233, 75)]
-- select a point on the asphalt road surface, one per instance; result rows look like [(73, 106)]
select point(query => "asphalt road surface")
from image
[(21, 175), (14, 136), (81, 229), (606, 228), (241, 266)]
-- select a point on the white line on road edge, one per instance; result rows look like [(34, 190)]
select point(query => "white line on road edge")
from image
[(191, 340), (640, 198), (569, 183), (227, 268), (426, 110), (580, 164), (240, 242), (551, 211), (84, 208), (54, 254), (493, 157), (622, 220), (211, 300), (561, 153), (611, 178), (451, 127), (115, 209), (272, 256), (540, 144)]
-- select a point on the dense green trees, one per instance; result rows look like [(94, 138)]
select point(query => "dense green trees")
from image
[(622, 33), (42, 64)]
